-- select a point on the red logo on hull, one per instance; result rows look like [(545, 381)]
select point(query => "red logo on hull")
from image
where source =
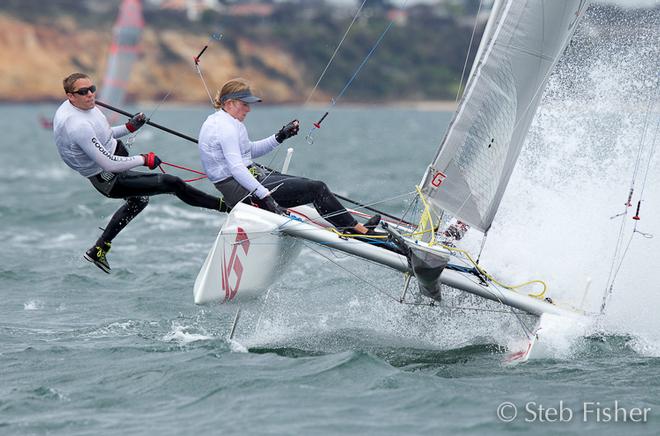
[(234, 265)]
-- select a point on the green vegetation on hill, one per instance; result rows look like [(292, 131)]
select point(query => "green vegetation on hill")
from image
[(286, 47), (428, 48)]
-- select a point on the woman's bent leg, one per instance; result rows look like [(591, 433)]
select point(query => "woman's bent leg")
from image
[(295, 191)]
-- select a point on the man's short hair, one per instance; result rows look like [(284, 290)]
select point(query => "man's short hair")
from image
[(71, 79)]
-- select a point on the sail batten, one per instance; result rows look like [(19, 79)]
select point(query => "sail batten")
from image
[(470, 172)]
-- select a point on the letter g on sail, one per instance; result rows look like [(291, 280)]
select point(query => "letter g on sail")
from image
[(437, 178)]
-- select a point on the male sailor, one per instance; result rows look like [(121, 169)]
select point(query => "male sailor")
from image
[(227, 152), (88, 144)]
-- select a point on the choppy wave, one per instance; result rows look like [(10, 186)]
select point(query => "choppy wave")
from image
[(326, 351), (184, 335)]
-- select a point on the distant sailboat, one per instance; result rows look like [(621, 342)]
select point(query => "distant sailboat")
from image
[(127, 33), (46, 122)]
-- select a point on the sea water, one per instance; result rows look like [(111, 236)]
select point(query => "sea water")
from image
[(328, 350)]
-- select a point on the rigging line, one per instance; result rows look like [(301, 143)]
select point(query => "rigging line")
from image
[(334, 100), (133, 136), (377, 288), (610, 288), (613, 269), (412, 206), (483, 244), (517, 315), (653, 141), (617, 247), (400, 220), (201, 76), (641, 141), (651, 153), (364, 61), (615, 272), (217, 37), (332, 214), (335, 52), (368, 205), (467, 56), (496, 292), (528, 332)]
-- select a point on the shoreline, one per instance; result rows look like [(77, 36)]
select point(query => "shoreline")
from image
[(430, 105)]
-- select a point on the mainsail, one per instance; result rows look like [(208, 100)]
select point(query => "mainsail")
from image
[(124, 50), (522, 42)]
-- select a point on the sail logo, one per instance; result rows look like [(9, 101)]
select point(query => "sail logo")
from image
[(232, 271), (438, 178)]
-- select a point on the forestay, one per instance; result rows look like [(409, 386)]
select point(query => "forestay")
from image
[(521, 44)]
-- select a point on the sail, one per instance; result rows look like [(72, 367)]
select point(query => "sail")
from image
[(124, 50), (523, 41)]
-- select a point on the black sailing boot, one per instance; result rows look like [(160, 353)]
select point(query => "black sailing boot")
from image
[(372, 236), (97, 255), (372, 222)]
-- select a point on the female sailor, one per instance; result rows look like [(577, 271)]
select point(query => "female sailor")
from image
[(227, 153)]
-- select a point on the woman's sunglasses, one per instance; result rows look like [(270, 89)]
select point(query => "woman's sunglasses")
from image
[(84, 91)]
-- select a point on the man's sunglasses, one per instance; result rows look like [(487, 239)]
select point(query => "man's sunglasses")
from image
[(84, 91)]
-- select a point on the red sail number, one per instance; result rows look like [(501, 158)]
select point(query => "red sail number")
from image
[(438, 178)]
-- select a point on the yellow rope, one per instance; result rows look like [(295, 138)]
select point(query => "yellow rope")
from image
[(427, 218), (426, 224)]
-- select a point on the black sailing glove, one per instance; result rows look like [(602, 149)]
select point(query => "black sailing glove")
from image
[(268, 203), (138, 120), (287, 131)]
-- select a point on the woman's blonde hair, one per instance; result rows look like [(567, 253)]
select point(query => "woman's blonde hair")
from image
[(230, 87)]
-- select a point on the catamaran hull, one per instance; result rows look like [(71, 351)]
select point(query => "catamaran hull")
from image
[(247, 257), (254, 246)]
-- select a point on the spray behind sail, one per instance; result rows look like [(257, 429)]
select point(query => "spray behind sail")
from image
[(127, 33), (523, 41)]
